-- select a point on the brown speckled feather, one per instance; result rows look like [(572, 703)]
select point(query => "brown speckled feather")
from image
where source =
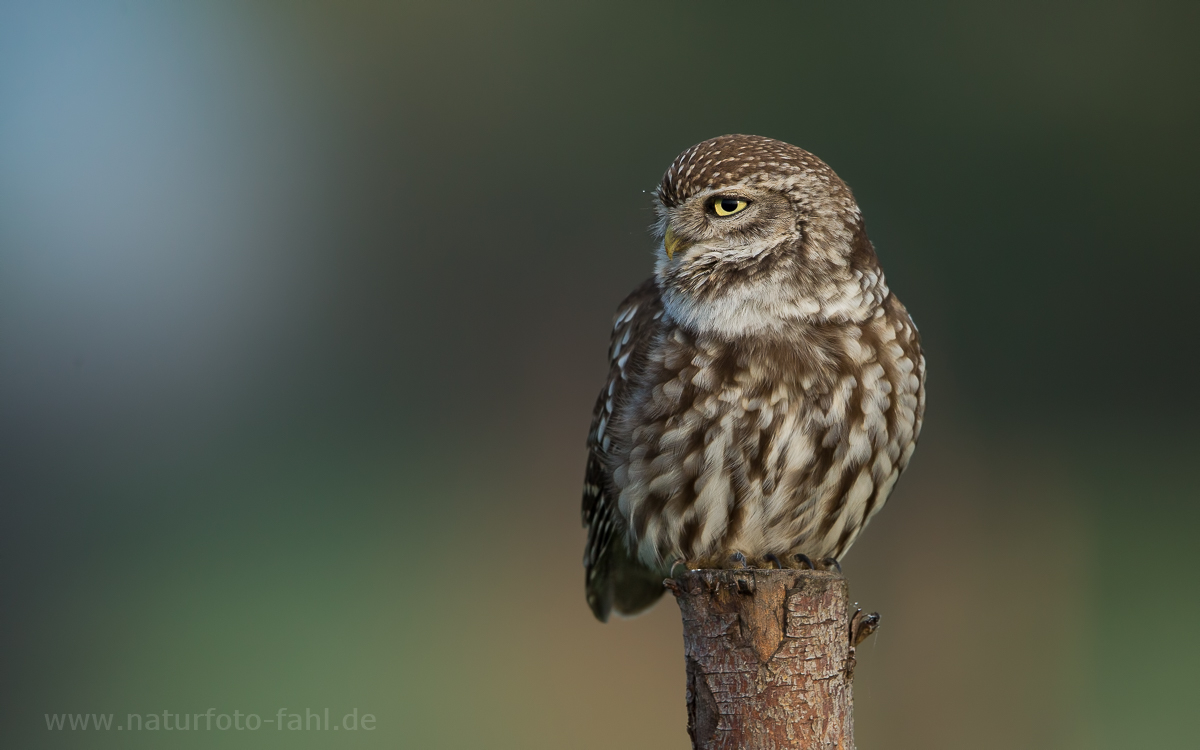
[(637, 317)]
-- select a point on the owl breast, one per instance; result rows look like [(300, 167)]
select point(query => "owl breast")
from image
[(765, 447)]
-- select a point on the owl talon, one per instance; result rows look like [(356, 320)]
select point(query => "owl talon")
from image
[(739, 558), (804, 560), (771, 557), (831, 562)]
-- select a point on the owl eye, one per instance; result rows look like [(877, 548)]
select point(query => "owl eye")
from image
[(728, 206)]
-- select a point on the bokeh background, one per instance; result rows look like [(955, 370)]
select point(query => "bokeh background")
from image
[(303, 307)]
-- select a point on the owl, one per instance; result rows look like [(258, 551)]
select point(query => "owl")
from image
[(765, 386)]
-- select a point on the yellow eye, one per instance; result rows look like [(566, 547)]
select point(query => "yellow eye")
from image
[(729, 206)]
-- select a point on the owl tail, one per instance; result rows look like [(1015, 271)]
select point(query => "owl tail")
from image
[(619, 581)]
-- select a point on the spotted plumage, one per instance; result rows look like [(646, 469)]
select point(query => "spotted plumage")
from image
[(765, 387)]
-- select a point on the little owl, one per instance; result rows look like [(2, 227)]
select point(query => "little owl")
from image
[(765, 387)]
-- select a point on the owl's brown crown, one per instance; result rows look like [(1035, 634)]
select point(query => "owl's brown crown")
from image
[(729, 159)]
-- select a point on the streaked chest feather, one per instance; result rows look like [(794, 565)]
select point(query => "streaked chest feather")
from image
[(779, 447)]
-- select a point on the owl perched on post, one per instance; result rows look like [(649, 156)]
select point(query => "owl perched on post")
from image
[(765, 387)]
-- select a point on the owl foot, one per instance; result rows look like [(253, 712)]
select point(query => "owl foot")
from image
[(831, 562), (738, 560)]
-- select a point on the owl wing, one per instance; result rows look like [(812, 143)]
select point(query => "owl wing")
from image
[(614, 576)]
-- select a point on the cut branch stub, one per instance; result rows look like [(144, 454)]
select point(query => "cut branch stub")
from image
[(769, 658)]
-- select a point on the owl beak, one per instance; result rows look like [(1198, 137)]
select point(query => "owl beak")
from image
[(673, 244)]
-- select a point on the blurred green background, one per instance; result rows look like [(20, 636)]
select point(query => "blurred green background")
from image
[(303, 306)]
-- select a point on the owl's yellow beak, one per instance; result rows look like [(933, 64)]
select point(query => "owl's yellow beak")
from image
[(673, 244)]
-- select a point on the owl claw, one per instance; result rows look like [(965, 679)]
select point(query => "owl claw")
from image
[(831, 562), (804, 560), (739, 558), (771, 557)]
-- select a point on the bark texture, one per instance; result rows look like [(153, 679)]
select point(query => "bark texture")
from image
[(770, 658)]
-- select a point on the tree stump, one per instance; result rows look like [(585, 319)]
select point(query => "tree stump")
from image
[(770, 658)]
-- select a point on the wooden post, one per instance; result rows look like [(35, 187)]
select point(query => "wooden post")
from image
[(770, 658)]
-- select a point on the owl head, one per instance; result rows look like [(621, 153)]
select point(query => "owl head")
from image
[(759, 236)]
